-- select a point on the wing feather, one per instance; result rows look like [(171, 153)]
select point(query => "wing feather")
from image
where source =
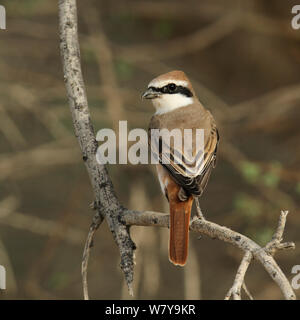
[(193, 177)]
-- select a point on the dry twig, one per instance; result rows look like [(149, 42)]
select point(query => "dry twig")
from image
[(235, 290)]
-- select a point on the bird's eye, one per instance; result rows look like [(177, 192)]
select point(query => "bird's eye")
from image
[(171, 87)]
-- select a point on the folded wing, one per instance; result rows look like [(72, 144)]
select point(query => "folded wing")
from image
[(190, 172)]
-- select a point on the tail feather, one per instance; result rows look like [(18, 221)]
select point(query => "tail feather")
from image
[(179, 230)]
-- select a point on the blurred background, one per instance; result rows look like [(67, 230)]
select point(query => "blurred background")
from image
[(243, 59)]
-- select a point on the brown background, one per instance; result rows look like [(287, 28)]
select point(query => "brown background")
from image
[(243, 58)]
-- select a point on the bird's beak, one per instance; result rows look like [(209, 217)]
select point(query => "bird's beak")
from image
[(150, 94)]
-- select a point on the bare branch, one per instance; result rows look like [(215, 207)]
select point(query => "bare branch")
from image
[(275, 244), (235, 290), (214, 230), (280, 228), (271, 247), (109, 206), (86, 253), (247, 291)]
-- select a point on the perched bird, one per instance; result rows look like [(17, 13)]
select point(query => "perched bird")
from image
[(177, 107)]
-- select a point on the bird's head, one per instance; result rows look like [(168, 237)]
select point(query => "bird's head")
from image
[(170, 91)]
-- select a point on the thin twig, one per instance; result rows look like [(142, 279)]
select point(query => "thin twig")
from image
[(235, 290), (275, 244), (247, 291), (86, 253)]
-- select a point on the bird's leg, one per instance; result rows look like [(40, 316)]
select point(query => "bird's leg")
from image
[(198, 209)]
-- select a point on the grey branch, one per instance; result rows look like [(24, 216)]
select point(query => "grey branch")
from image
[(235, 290), (275, 244), (108, 207), (215, 231), (271, 248)]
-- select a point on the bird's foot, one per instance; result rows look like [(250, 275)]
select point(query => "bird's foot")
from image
[(198, 210)]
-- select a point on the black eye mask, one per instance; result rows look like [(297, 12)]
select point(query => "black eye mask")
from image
[(172, 88)]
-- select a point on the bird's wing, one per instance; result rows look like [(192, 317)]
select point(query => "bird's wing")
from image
[(191, 175)]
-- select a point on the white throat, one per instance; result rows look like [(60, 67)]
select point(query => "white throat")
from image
[(169, 102)]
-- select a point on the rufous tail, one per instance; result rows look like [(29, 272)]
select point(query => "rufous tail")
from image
[(180, 212)]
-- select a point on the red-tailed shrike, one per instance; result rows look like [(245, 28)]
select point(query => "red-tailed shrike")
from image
[(177, 107)]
